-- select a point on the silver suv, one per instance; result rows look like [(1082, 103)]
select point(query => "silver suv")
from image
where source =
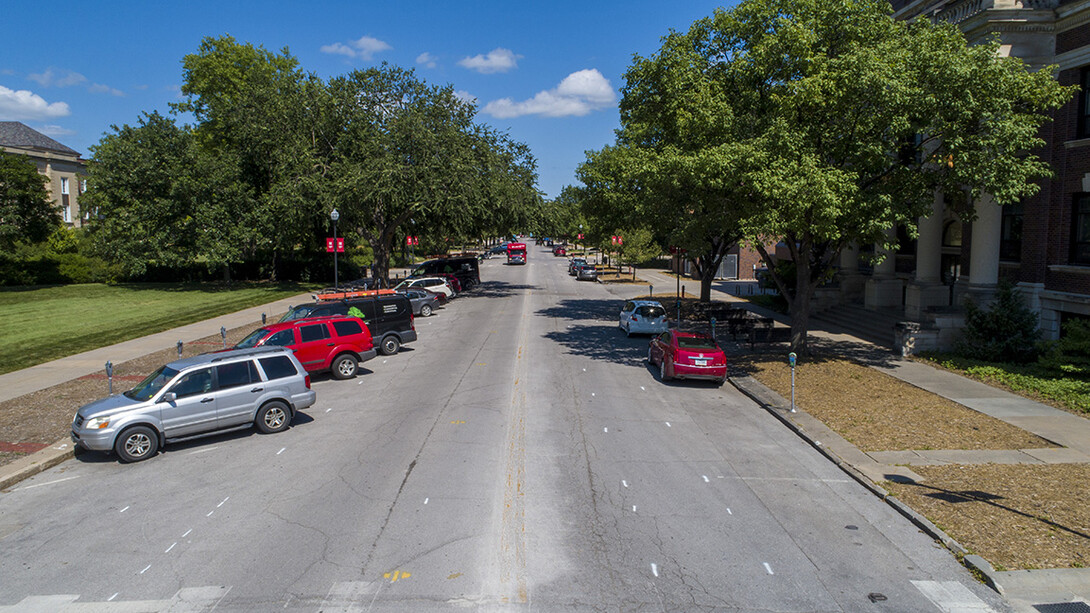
[(192, 397)]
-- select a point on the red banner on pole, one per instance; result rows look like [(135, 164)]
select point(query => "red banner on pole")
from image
[(329, 245)]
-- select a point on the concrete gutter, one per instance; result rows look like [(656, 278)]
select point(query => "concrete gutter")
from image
[(37, 462)]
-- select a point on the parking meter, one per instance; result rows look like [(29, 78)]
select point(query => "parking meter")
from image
[(179, 349), (791, 358), (223, 335), (110, 375)]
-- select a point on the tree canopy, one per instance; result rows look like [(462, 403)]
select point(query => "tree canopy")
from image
[(822, 123), (26, 212)]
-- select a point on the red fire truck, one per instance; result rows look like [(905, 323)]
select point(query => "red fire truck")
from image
[(516, 253)]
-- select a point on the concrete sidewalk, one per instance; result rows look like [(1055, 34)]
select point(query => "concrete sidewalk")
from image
[(1024, 589)]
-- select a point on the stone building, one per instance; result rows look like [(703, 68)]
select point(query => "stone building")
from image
[(1041, 244), (63, 165)]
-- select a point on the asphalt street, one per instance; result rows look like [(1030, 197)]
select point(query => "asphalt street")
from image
[(519, 456)]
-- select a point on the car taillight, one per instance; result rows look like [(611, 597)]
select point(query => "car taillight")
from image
[(634, 318), (306, 380), (411, 320)]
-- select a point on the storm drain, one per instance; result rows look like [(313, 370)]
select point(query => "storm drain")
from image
[(1063, 607)]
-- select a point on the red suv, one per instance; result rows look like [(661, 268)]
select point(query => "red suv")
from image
[(337, 344)]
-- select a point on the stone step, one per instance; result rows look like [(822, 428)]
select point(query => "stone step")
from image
[(874, 326)]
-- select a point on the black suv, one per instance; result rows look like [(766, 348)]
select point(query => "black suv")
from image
[(466, 269), (389, 317)]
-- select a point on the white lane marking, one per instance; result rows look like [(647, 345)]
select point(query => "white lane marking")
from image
[(624, 483), (951, 597), (187, 532), (201, 450), (169, 548), (426, 500), (210, 514), (328, 410), (112, 597), (123, 510), (48, 483), (145, 569), (655, 569), (290, 596), (642, 388), (605, 429), (384, 361), (668, 425), (584, 370), (769, 569), (227, 498), (360, 383), (281, 450), (706, 480), (592, 394), (633, 508)]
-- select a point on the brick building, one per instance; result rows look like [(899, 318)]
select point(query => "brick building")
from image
[(63, 165), (1041, 244)]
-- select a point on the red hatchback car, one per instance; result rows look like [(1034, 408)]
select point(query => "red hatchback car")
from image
[(687, 355), (336, 343)]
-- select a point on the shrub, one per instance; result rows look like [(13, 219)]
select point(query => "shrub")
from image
[(1070, 355), (1005, 332)]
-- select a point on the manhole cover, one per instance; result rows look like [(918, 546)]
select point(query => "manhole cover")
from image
[(1063, 607)]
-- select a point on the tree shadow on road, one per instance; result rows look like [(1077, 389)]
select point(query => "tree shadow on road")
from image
[(594, 333), (498, 289)]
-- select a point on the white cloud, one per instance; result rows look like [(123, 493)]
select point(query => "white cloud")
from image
[(497, 60), (465, 96), (426, 60), (364, 48), (98, 88), (55, 130), (578, 94), (24, 104), (63, 78)]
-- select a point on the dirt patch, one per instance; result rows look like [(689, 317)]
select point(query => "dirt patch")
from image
[(1015, 516), (877, 412), (45, 416)]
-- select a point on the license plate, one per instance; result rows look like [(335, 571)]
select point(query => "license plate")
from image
[(700, 362)]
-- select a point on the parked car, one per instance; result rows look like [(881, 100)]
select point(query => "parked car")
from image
[(389, 317), (435, 284), (423, 301), (586, 272), (197, 396), (336, 344), (643, 317), (687, 355), (560, 250), (574, 264)]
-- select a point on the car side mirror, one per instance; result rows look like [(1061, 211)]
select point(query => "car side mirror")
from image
[(169, 397)]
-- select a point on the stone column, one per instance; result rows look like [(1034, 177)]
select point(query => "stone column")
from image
[(984, 251), (884, 288), (927, 290), (851, 281)]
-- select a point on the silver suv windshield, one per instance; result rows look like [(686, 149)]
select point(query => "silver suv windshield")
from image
[(152, 384)]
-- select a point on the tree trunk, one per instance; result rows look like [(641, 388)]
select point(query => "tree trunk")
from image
[(707, 277), (800, 303), (227, 273)]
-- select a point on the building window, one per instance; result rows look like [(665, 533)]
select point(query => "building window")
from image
[(1084, 105), (1080, 230), (64, 185), (83, 186), (67, 214), (951, 234), (1010, 242)]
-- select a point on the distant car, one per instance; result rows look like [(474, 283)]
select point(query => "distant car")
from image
[(687, 355), (191, 397), (586, 272), (643, 317), (574, 264), (336, 344), (559, 250), (423, 301)]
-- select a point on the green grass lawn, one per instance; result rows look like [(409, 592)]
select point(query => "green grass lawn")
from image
[(43, 324), (1027, 379)]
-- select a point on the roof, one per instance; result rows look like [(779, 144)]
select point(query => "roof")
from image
[(15, 134)]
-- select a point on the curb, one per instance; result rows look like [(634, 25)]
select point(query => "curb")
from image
[(37, 462), (774, 404)]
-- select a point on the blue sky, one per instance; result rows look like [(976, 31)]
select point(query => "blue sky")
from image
[(548, 73)]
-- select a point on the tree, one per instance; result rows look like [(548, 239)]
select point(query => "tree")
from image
[(846, 122), (26, 213)]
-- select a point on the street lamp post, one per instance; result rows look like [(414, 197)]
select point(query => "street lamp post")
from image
[(335, 216)]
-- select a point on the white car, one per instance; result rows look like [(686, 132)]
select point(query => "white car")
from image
[(438, 285), (643, 317)]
